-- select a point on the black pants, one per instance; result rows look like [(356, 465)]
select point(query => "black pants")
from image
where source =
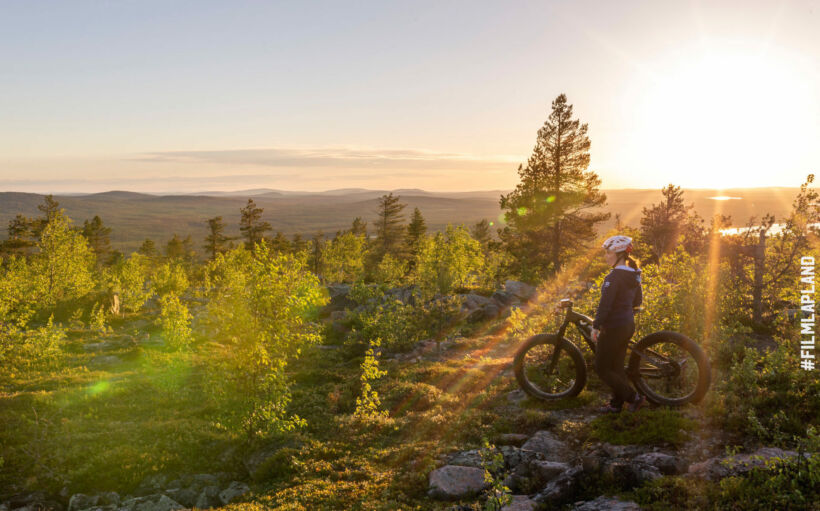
[(609, 361)]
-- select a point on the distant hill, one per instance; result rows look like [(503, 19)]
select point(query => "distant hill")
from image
[(136, 216)]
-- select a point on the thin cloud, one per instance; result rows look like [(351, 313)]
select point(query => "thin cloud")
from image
[(330, 157)]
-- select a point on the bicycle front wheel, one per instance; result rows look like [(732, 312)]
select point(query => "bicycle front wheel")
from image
[(669, 368), (548, 367)]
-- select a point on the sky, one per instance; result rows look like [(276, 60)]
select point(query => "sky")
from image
[(189, 96)]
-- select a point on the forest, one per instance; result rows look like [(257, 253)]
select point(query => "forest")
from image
[(264, 371)]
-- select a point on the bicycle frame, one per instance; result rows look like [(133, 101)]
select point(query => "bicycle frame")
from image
[(584, 325)]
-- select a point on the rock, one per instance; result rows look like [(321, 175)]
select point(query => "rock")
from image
[(185, 496), (719, 467), (205, 479), (471, 458), (505, 298), (560, 488), (164, 503), (34, 501), (208, 498), (667, 464), (473, 301), (235, 490), (545, 471), (520, 503), (629, 474), (604, 503), (516, 439), (516, 396), (453, 482), (82, 501), (550, 446), (519, 289)]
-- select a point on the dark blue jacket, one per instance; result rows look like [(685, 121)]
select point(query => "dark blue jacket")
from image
[(620, 291)]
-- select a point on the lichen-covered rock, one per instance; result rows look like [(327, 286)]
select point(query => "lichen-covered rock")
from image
[(667, 464), (453, 482), (604, 503), (561, 487), (234, 491), (550, 446), (719, 467), (520, 503)]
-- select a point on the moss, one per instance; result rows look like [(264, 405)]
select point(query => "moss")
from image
[(642, 427)]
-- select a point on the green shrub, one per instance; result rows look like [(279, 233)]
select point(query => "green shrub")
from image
[(642, 427)]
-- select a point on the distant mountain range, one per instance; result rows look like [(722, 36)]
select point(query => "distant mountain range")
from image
[(136, 216)]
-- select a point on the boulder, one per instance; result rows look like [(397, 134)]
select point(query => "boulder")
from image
[(604, 503), (453, 482), (665, 463), (80, 501), (232, 492), (473, 301), (505, 298), (208, 498), (520, 503), (544, 471), (560, 488), (519, 289), (550, 446), (185, 496), (719, 467)]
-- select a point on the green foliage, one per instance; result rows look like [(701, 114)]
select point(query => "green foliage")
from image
[(262, 309), (673, 295), (343, 258), (17, 291), (368, 404), (448, 261), (129, 278), (63, 266), (26, 352), (170, 278), (390, 271), (492, 461), (97, 319), (642, 427), (384, 318), (175, 321), (768, 396)]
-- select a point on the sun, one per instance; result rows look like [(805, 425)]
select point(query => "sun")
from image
[(723, 118)]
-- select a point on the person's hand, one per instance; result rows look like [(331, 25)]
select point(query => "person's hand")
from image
[(595, 333)]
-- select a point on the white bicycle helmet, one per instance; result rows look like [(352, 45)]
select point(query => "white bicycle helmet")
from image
[(618, 243)]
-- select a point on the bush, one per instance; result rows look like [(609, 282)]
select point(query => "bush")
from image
[(768, 396)]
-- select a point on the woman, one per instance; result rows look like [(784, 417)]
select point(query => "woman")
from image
[(614, 323)]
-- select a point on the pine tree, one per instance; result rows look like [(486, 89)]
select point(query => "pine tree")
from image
[(298, 244), (50, 208), (149, 249), (389, 228), (546, 222), (280, 243), (216, 241), (663, 223), (251, 224), (98, 236)]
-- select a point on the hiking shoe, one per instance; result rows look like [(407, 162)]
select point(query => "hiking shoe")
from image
[(610, 408), (637, 405)]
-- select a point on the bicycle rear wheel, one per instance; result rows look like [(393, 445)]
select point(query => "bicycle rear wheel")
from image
[(669, 368), (544, 374)]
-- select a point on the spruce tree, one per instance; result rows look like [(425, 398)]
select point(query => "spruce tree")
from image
[(416, 230), (545, 217), (98, 236), (390, 228), (216, 241), (359, 227)]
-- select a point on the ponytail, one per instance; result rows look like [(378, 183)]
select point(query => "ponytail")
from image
[(631, 262)]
